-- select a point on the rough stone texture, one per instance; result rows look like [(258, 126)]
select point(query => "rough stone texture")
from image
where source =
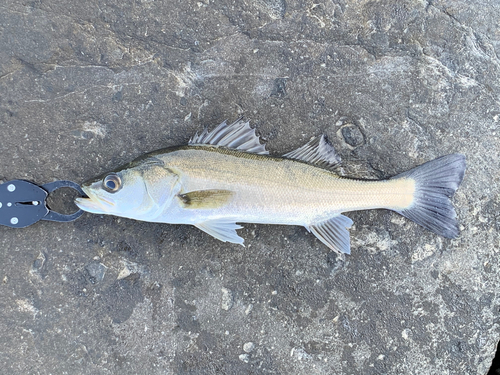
[(86, 86)]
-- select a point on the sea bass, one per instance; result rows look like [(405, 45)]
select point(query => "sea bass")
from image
[(226, 176)]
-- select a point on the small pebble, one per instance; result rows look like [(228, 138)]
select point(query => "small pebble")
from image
[(249, 309), (248, 347), (227, 299)]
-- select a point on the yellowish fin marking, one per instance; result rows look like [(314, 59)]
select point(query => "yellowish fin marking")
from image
[(206, 199)]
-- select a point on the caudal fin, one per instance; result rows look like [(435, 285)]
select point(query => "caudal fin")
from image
[(435, 183)]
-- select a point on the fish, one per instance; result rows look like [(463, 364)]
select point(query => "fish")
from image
[(226, 176)]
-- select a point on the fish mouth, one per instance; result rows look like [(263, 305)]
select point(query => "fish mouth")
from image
[(94, 204)]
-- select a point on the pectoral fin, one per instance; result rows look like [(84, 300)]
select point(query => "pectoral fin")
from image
[(333, 233), (205, 199), (222, 230)]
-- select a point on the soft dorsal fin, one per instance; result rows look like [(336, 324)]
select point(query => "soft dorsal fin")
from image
[(238, 136), (318, 151), (333, 233)]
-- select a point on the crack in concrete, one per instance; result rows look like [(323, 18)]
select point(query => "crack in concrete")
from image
[(109, 86), (14, 11), (469, 30), (3, 76)]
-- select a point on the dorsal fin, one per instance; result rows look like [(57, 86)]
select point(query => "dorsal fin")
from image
[(238, 136), (318, 151)]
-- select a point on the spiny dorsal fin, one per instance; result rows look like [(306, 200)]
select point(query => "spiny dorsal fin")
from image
[(319, 152), (238, 136), (333, 233)]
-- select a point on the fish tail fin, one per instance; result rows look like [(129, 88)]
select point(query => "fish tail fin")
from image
[(435, 183)]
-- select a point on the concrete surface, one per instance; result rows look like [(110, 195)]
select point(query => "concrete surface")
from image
[(86, 86)]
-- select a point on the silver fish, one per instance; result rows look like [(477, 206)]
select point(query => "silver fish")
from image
[(225, 176)]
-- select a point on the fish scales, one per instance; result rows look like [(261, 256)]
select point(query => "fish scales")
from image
[(226, 176), (270, 190)]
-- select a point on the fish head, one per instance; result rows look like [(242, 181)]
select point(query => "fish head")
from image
[(138, 190)]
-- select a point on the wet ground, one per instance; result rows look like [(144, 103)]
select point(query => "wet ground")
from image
[(88, 86)]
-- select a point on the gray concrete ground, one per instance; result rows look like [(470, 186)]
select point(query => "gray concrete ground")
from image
[(86, 86)]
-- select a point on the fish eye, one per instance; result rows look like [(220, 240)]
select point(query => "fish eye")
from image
[(112, 183)]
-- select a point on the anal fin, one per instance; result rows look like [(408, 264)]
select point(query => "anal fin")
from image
[(222, 230), (333, 233)]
